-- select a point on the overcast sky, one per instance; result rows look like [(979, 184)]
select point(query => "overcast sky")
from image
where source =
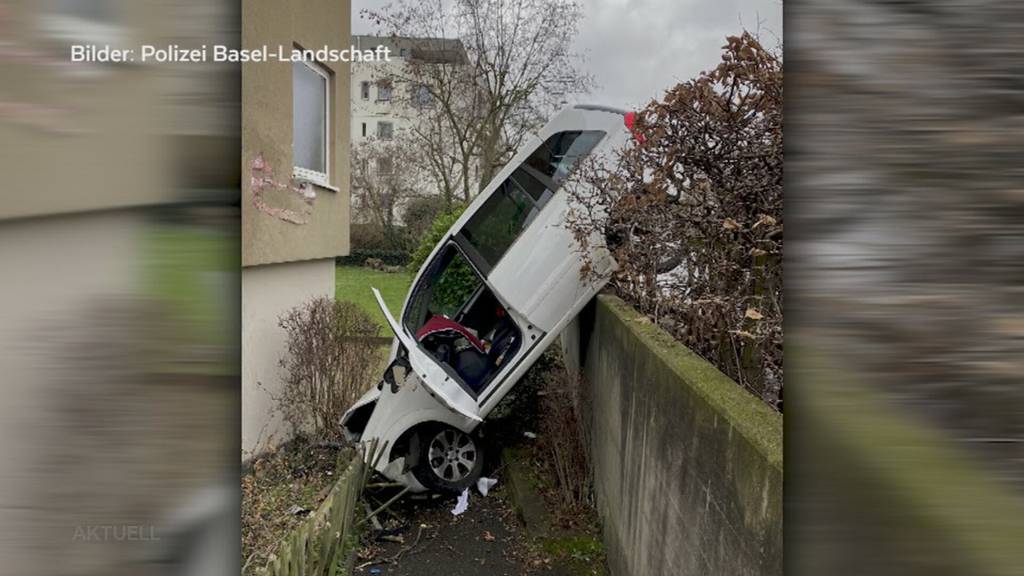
[(636, 49)]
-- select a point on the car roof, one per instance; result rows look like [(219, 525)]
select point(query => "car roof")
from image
[(601, 108)]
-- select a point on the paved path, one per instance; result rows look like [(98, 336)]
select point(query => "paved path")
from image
[(486, 540)]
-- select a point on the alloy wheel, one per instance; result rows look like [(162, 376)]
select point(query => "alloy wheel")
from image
[(452, 455)]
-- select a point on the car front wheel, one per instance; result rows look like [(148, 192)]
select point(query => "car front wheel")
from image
[(449, 459)]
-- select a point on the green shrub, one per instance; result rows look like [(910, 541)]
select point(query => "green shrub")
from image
[(437, 231), (420, 212), (371, 241), (454, 288), (372, 237)]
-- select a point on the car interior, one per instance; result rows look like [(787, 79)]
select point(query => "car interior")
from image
[(458, 320)]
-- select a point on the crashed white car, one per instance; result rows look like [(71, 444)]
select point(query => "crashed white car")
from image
[(490, 299)]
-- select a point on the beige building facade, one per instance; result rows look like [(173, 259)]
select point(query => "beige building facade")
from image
[(295, 189)]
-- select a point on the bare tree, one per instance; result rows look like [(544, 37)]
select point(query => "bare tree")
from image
[(385, 174), (482, 75), (330, 360)]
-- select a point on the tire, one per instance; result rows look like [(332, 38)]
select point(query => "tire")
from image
[(448, 459)]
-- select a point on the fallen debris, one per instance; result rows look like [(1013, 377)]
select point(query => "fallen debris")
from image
[(373, 519), (297, 510), (484, 485), (462, 504), (383, 507)]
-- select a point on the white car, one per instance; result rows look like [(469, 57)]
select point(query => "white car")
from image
[(490, 299)]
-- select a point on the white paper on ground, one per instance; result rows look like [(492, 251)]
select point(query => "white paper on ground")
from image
[(462, 504), (484, 485)]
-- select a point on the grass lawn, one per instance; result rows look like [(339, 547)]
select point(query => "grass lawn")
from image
[(353, 283)]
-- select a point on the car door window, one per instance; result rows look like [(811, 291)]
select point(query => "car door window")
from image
[(496, 225)]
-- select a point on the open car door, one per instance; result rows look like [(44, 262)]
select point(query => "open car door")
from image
[(430, 373)]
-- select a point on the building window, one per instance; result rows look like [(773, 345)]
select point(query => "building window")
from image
[(364, 129), (364, 90), (383, 91), (385, 130), (421, 96), (310, 121), (404, 52)]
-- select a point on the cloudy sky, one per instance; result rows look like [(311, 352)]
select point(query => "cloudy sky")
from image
[(636, 49)]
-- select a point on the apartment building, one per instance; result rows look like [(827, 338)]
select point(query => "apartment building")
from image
[(381, 106)]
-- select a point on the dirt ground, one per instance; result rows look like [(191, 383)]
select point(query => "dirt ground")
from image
[(279, 491)]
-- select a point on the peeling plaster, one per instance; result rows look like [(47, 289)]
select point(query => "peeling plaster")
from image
[(261, 178)]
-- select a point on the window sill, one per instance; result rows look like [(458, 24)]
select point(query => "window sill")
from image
[(304, 178), (327, 187)]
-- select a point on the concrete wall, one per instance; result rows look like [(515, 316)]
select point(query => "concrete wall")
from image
[(267, 131), (688, 466), (267, 292)]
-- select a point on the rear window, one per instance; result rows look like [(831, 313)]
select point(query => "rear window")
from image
[(510, 209), (558, 154)]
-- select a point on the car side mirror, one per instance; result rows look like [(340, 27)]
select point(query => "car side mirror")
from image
[(396, 373)]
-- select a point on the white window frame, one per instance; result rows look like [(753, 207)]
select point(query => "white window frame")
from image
[(364, 90), (320, 178)]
